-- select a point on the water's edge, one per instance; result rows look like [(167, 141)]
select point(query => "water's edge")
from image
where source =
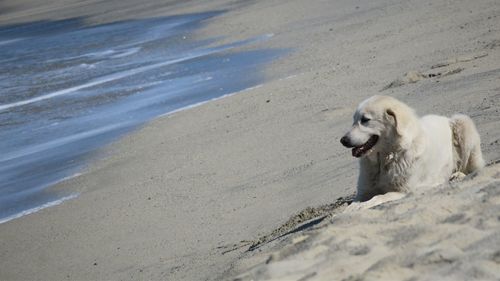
[(69, 89)]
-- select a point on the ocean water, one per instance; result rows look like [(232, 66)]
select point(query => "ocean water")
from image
[(67, 88)]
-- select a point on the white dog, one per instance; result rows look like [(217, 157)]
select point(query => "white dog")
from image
[(400, 152)]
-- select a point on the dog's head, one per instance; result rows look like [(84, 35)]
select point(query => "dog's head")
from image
[(379, 123)]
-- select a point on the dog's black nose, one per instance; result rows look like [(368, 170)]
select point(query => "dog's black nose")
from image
[(345, 141)]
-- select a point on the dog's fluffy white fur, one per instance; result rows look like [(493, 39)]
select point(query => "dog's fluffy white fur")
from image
[(400, 152)]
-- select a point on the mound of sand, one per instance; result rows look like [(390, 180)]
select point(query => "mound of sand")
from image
[(450, 233)]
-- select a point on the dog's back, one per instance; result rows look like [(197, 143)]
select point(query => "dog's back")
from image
[(435, 161), (466, 145)]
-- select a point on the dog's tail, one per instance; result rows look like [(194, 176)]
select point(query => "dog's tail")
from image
[(467, 144)]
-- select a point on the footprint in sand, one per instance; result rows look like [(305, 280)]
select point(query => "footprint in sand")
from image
[(414, 76)]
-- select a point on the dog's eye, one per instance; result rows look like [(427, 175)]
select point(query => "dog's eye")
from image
[(364, 120)]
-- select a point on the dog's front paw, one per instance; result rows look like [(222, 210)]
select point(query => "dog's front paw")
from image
[(354, 207), (375, 201), (458, 176)]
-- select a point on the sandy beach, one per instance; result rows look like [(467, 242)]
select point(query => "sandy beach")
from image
[(187, 195), (450, 233)]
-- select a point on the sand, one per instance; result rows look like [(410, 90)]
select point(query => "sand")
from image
[(449, 233), (186, 196)]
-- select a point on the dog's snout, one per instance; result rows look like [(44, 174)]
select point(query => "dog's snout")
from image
[(345, 141)]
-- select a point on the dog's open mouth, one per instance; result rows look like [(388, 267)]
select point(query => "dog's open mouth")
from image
[(358, 151)]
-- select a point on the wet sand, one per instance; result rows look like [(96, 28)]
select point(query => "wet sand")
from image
[(170, 200)]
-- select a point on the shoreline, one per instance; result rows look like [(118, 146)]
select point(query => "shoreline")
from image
[(107, 90), (167, 200), (38, 208), (75, 195)]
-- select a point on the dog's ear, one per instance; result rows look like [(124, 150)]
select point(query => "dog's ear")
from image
[(399, 120)]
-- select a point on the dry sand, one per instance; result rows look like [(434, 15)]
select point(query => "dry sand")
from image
[(450, 233), (175, 200)]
